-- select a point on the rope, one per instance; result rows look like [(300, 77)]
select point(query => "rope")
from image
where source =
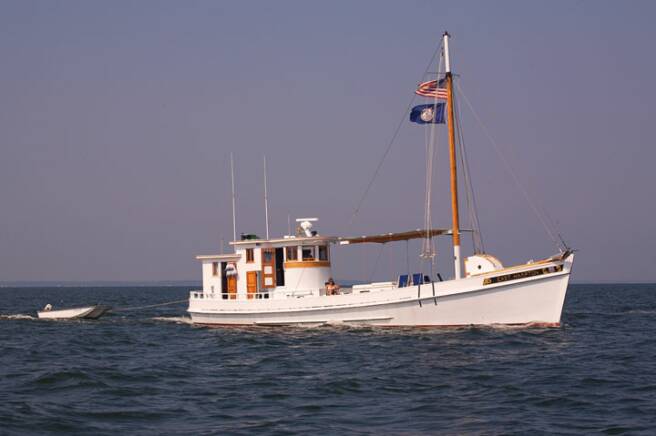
[(390, 144), (123, 309), (559, 244), (428, 248), (472, 209), (373, 270)]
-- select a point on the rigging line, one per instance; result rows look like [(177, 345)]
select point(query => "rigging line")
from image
[(555, 225), (407, 255), (123, 309), (373, 270), (389, 146), (426, 245), (522, 189), (428, 249), (472, 207), (300, 276)]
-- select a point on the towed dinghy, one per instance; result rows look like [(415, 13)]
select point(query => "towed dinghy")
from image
[(87, 312)]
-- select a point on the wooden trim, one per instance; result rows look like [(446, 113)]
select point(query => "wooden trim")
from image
[(455, 226), (272, 264), (524, 265), (307, 264)]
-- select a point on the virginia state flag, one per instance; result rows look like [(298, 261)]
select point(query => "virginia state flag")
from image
[(428, 113)]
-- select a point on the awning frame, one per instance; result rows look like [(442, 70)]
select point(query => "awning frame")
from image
[(393, 237)]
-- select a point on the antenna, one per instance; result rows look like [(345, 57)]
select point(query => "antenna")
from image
[(234, 213), (266, 200)]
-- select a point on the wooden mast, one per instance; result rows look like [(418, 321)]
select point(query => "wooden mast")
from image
[(453, 161)]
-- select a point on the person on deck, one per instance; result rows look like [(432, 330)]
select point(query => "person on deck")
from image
[(331, 287)]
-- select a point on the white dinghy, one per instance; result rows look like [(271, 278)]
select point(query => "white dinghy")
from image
[(87, 312)]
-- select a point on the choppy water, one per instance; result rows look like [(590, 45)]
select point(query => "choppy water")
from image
[(150, 372)]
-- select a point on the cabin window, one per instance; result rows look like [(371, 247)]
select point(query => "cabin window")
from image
[(323, 252), (308, 253), (215, 268), (292, 253), (250, 256)]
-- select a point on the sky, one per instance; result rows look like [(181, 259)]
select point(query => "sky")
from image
[(117, 120)]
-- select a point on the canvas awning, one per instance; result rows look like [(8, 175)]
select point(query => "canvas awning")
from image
[(390, 237)]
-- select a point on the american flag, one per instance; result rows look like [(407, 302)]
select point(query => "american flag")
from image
[(430, 89)]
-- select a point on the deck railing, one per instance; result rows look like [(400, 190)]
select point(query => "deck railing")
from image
[(200, 295)]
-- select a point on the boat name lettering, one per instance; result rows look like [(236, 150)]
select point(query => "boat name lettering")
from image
[(522, 275)]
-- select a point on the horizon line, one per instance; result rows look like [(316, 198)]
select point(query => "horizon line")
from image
[(144, 283)]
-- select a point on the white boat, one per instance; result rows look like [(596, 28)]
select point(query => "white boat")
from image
[(285, 281), (87, 312)]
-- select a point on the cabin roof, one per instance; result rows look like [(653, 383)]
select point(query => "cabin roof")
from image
[(295, 240), (219, 257)]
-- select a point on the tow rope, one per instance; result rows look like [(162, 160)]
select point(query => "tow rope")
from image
[(123, 309)]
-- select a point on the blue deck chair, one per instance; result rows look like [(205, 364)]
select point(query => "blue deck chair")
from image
[(403, 281), (417, 279)]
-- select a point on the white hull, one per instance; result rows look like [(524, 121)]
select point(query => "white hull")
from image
[(89, 312), (532, 299)]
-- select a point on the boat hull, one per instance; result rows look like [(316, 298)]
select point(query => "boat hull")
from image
[(89, 312), (530, 300)]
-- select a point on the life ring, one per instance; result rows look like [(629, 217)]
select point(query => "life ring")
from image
[(48, 308), (230, 270)]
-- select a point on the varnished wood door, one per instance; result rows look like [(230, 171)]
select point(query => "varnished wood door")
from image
[(232, 287), (268, 268), (251, 283)]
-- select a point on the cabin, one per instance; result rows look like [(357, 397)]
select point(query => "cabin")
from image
[(292, 266)]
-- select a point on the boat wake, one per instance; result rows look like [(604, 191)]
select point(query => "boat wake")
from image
[(175, 319), (641, 312), (17, 316)]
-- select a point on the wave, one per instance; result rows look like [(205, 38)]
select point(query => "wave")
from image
[(17, 316), (641, 312), (175, 319)]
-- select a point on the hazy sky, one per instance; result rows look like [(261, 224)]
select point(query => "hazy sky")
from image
[(117, 119)]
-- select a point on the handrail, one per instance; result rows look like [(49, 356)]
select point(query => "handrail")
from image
[(201, 295)]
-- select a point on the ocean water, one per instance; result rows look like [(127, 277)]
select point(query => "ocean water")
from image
[(148, 371)]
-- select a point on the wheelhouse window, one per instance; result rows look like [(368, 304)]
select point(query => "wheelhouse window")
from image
[(308, 253), (292, 253), (250, 256), (215, 268), (323, 252)]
